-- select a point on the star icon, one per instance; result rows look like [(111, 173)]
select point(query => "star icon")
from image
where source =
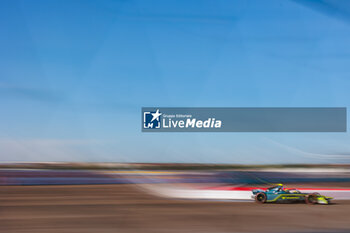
[(156, 115)]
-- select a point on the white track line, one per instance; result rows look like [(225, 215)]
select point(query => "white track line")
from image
[(207, 194)]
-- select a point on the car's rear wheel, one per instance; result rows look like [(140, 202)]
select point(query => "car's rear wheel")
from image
[(260, 198), (311, 198)]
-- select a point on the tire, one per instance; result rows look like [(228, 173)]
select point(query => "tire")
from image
[(260, 198), (311, 199)]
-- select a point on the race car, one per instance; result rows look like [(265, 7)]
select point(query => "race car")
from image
[(279, 194)]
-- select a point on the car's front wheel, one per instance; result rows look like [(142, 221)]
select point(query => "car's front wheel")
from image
[(311, 198), (260, 198)]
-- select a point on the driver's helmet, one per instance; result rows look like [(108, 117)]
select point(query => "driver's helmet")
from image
[(280, 186)]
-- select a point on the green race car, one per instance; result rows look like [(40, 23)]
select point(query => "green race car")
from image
[(280, 195)]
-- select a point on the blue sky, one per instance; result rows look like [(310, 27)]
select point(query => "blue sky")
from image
[(75, 74)]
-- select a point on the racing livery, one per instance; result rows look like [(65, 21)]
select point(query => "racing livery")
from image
[(279, 194)]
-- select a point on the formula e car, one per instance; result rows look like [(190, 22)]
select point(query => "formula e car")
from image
[(279, 194)]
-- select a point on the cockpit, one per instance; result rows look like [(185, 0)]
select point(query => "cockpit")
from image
[(277, 188)]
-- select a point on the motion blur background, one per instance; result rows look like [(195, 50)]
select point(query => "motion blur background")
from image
[(75, 74)]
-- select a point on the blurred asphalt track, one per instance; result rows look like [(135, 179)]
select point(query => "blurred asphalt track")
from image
[(124, 208), (52, 201)]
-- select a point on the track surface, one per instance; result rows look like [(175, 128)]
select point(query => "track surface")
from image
[(124, 208)]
